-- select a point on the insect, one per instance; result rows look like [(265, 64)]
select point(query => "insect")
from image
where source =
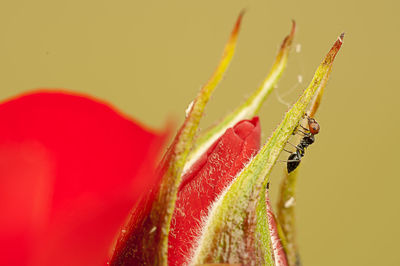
[(294, 158)]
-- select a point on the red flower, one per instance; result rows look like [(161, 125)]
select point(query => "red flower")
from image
[(70, 170)]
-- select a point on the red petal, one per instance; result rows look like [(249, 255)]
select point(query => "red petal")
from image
[(70, 170), (277, 247), (205, 181)]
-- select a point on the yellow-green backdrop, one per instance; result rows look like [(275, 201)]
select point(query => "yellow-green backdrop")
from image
[(149, 59)]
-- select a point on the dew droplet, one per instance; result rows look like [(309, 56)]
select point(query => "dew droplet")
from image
[(298, 48), (152, 230), (189, 108), (300, 78), (289, 203)]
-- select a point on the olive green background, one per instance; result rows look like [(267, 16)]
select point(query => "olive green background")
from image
[(149, 59)]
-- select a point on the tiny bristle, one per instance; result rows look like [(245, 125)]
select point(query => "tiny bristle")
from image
[(341, 37)]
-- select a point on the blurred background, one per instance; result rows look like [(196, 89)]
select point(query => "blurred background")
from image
[(150, 58)]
